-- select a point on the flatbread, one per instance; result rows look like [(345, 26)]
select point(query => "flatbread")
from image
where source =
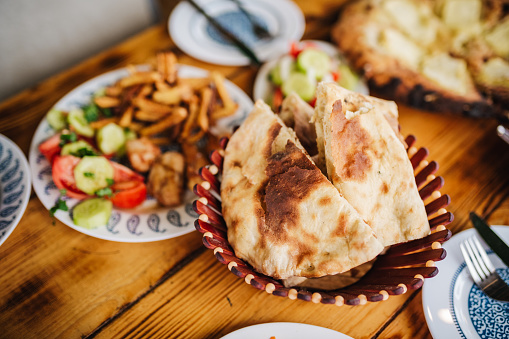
[(283, 215), (297, 114), (439, 55), (368, 164)]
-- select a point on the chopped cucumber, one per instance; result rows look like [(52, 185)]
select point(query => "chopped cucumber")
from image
[(78, 122), (78, 148), (110, 138), (93, 173), (56, 119), (92, 213), (275, 75), (316, 60), (301, 84), (347, 78)]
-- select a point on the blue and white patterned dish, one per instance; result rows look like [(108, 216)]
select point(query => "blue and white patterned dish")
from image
[(454, 306), (148, 222), (15, 186), (194, 35)]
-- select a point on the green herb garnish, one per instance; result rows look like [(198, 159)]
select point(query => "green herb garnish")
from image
[(107, 112), (110, 182), (89, 174), (91, 112), (59, 205), (104, 192), (67, 138), (83, 152)]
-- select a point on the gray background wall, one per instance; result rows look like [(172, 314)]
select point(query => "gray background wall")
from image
[(39, 38)]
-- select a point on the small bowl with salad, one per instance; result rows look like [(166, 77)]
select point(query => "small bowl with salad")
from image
[(301, 69)]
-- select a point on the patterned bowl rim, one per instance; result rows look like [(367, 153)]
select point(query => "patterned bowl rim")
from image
[(401, 268)]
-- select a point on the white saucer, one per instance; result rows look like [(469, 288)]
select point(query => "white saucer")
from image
[(285, 331), (194, 35), (456, 308), (15, 186)]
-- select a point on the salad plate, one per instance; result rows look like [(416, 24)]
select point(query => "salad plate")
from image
[(195, 36), (264, 88), (285, 330), (454, 306), (15, 186), (149, 221)]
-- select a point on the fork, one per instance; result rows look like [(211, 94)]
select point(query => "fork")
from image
[(482, 271)]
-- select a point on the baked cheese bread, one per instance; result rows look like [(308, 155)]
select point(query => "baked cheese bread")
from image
[(441, 55)]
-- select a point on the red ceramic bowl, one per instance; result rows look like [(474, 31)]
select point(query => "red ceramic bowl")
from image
[(403, 267)]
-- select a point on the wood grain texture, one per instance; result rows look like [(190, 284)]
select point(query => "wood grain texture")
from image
[(57, 282), (208, 301)]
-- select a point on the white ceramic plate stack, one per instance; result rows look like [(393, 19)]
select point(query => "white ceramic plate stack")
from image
[(193, 34)]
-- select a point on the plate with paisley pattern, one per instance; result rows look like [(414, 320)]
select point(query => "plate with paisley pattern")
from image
[(454, 306), (15, 186), (149, 221)]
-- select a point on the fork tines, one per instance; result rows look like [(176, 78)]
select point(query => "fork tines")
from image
[(482, 270)]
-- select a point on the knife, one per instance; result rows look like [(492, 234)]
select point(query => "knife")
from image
[(240, 45), (492, 239)]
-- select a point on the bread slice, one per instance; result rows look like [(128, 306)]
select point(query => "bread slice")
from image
[(368, 163), (284, 217)]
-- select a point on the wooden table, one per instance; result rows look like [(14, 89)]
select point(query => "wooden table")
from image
[(57, 282)]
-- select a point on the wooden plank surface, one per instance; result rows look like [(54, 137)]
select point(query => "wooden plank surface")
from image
[(57, 282)]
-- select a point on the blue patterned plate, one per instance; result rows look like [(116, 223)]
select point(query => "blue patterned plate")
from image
[(148, 222), (15, 186), (454, 306), (195, 36)]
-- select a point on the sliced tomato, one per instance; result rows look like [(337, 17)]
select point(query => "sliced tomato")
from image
[(123, 173), (128, 194), (62, 171), (51, 147), (277, 100), (295, 49)]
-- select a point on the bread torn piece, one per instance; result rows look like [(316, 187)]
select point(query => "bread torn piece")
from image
[(284, 217), (368, 164), (297, 114)]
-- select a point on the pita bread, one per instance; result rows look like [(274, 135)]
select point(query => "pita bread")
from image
[(368, 164), (297, 114), (283, 216)]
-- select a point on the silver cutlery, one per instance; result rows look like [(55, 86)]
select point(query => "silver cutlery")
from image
[(482, 270)]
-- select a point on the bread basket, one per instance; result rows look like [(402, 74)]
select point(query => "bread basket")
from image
[(401, 268)]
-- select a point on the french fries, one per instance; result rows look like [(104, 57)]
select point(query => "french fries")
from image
[(160, 106)]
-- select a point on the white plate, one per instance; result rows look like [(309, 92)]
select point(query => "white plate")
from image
[(148, 222), (263, 88), (456, 308), (194, 35), (285, 331), (15, 186)]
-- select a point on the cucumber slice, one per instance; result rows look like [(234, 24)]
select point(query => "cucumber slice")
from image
[(110, 138), (93, 173), (348, 79), (79, 124), (301, 84), (56, 119), (316, 60), (275, 75), (75, 148), (92, 213)]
